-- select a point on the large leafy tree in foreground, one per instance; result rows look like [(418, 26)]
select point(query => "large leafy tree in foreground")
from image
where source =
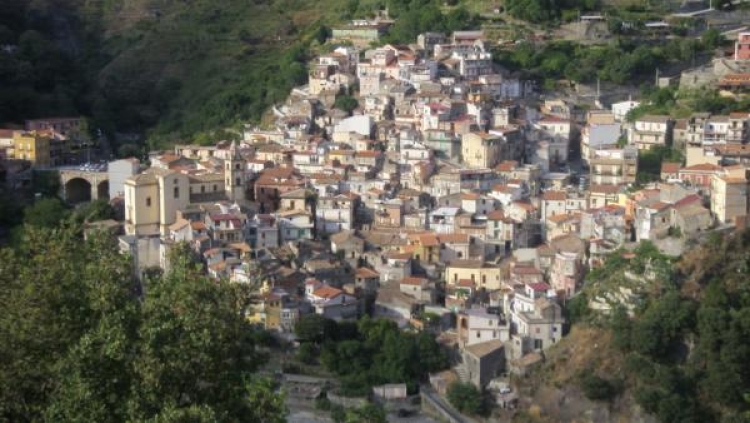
[(80, 345)]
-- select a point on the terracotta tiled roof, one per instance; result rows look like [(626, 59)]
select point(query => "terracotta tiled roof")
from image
[(539, 286), (466, 283), (606, 189), (554, 195), (496, 215), (526, 270), (670, 167), (364, 272), (559, 218), (689, 200), (411, 280), (507, 166), (703, 167), (327, 292), (454, 238)]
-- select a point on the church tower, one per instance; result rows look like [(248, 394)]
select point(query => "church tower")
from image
[(234, 175)]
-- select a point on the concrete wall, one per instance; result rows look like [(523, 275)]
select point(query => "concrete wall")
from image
[(119, 171)]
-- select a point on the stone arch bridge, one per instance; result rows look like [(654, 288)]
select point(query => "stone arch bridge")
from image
[(80, 186)]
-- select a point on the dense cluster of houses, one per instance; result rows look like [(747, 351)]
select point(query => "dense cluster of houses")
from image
[(444, 201)]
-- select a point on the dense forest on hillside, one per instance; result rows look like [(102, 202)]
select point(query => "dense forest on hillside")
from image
[(685, 342), (175, 70)]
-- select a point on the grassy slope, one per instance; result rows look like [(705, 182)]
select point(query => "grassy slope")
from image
[(176, 68), (188, 66)]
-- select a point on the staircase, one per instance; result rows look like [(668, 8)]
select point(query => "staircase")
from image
[(463, 374)]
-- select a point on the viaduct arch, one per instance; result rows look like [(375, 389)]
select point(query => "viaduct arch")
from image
[(80, 186)]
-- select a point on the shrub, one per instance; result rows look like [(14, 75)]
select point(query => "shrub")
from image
[(598, 389), (466, 398)]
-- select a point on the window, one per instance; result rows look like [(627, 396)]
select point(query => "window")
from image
[(478, 335), (148, 201), (214, 187), (176, 192), (203, 189), (237, 166), (237, 181), (537, 330)]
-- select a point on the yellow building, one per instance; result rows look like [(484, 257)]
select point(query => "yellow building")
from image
[(34, 147), (483, 275), (480, 149), (152, 199), (729, 196)]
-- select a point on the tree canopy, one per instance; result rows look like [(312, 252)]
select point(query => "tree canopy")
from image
[(686, 347), (371, 352), (466, 398), (81, 345)]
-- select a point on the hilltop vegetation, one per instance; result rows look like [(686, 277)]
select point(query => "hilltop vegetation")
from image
[(680, 349), (176, 70), (193, 70), (171, 69)]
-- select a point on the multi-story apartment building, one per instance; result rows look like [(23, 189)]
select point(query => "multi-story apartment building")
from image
[(335, 213), (473, 64), (37, 147), (477, 325), (596, 136), (481, 149), (614, 166), (729, 191), (651, 130)]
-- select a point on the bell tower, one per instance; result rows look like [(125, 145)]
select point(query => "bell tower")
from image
[(234, 175)]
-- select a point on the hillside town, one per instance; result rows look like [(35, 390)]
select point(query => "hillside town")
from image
[(422, 184)]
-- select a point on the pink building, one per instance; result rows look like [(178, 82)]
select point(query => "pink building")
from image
[(698, 175), (742, 47), (566, 273)]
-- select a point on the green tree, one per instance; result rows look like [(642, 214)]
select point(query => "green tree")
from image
[(712, 39), (79, 345), (315, 328), (368, 413), (60, 297), (263, 404), (621, 328), (94, 211), (192, 414), (597, 388), (195, 345), (346, 103), (45, 213), (466, 398), (306, 353)]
